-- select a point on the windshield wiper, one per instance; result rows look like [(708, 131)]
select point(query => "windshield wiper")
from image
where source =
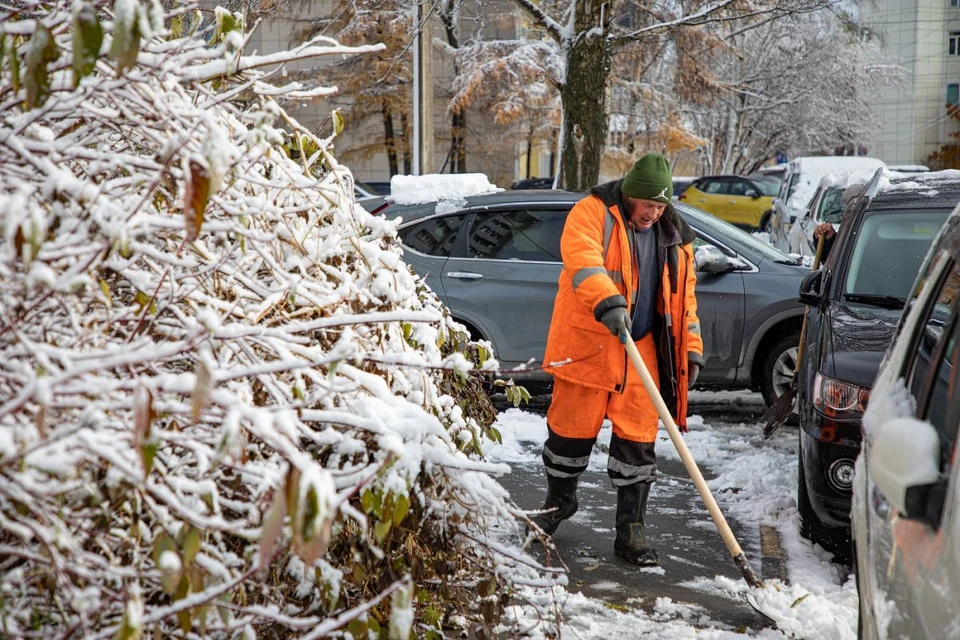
[(884, 302)]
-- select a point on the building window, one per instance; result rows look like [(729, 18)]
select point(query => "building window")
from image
[(953, 93), (954, 47), (955, 3)]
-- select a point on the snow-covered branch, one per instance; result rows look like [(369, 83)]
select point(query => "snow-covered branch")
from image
[(221, 386)]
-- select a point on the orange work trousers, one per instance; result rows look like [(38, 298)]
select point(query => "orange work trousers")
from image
[(577, 411)]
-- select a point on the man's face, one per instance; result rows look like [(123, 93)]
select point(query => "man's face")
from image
[(643, 213)]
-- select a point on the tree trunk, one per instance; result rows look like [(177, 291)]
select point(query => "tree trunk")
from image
[(458, 121), (407, 159), (458, 143), (391, 140), (584, 99)]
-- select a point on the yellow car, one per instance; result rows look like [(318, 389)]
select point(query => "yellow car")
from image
[(743, 201)]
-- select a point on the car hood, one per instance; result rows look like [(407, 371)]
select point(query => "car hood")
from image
[(856, 340)]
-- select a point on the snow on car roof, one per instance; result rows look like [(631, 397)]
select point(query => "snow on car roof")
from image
[(846, 179), (438, 187), (925, 183), (812, 169)]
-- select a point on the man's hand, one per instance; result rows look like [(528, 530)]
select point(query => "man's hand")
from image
[(824, 229), (617, 320)]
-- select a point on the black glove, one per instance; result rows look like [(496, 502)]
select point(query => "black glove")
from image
[(694, 373), (617, 320)]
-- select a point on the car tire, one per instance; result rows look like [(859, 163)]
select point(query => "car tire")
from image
[(836, 540), (766, 225), (779, 363)]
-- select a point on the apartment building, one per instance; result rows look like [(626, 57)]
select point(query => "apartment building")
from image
[(923, 36)]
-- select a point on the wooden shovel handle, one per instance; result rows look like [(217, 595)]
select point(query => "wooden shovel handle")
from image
[(732, 545)]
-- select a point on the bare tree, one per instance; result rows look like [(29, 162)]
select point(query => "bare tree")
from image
[(798, 84)]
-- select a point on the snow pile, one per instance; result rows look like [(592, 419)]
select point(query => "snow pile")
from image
[(222, 402)]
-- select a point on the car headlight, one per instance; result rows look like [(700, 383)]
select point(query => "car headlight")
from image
[(836, 399)]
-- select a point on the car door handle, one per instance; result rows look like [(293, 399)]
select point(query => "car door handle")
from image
[(733, 202), (464, 275)]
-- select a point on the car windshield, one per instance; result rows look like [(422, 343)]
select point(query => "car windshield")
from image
[(721, 229), (831, 206), (885, 260)]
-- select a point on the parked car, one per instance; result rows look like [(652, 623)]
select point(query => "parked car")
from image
[(773, 174), (826, 205), (854, 303), (906, 494), (799, 182), (908, 168), (737, 199), (380, 187), (533, 183), (495, 261), (363, 190), (680, 184)]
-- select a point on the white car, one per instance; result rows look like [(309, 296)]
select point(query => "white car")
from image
[(826, 205), (906, 496), (799, 183)]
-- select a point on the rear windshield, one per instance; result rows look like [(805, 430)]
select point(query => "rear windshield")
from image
[(889, 249)]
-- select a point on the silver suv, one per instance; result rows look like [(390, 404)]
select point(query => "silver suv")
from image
[(494, 260)]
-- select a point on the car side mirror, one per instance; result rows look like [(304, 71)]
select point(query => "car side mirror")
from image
[(904, 463), (709, 259), (810, 291), (752, 194)]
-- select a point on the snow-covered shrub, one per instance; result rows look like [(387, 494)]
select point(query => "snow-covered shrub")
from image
[(220, 387)]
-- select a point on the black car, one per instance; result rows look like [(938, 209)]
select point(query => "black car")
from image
[(533, 183), (854, 303)]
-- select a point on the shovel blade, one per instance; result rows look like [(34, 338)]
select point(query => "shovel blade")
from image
[(779, 411)]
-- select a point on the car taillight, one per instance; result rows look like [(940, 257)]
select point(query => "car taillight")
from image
[(837, 399)]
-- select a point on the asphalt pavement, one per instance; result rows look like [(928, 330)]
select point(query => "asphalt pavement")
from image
[(679, 527)]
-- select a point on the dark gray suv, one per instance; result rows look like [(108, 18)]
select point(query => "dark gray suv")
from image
[(494, 261)]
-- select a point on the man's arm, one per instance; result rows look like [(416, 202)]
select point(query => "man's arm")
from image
[(581, 246)]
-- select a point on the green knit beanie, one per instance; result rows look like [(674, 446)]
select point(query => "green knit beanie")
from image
[(649, 179)]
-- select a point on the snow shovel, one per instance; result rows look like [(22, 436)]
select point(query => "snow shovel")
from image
[(732, 545), (778, 412)]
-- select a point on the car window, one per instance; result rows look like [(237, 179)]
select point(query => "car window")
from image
[(928, 344), (944, 390), (737, 187), (888, 250), (517, 235), (791, 186), (831, 206), (711, 186), (434, 236)]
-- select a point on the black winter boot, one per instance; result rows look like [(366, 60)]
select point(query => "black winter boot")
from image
[(562, 498), (631, 543)]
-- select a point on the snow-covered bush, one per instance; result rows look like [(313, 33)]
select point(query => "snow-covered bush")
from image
[(221, 390)]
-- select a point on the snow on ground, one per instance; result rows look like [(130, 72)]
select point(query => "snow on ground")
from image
[(820, 602)]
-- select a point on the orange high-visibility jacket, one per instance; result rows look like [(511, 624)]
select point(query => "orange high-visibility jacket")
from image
[(598, 274)]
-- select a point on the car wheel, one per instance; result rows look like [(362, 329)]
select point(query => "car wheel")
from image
[(766, 224), (779, 364), (834, 539)]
